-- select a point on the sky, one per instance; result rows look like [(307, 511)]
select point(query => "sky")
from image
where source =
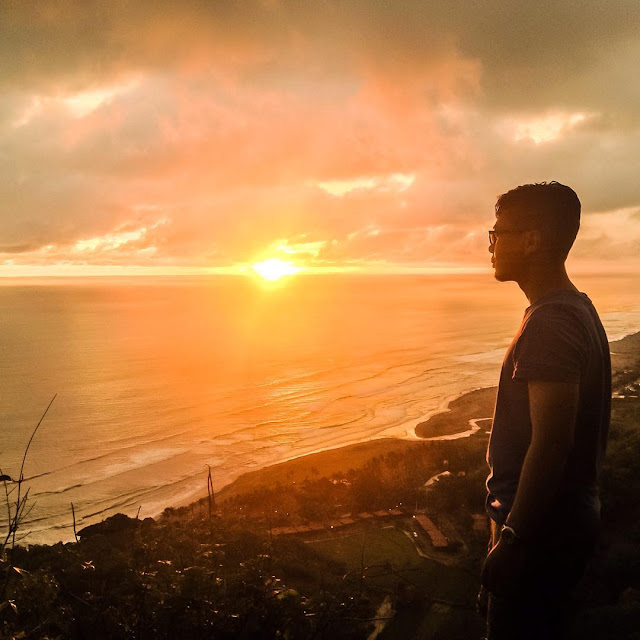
[(197, 136)]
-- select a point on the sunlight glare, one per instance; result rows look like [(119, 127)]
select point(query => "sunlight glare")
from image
[(274, 269)]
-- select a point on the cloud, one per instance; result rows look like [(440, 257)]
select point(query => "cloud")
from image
[(224, 128), (397, 182)]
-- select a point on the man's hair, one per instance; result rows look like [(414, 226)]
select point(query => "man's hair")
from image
[(552, 208)]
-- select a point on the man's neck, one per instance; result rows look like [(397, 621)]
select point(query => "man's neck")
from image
[(543, 280)]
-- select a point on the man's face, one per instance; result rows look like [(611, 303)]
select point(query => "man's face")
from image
[(507, 251)]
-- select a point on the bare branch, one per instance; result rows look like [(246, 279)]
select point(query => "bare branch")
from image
[(24, 457), (16, 518), (73, 513)]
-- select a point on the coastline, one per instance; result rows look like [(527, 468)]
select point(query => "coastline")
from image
[(436, 534), (466, 417), (453, 422)]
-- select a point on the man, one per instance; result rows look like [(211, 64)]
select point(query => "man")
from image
[(550, 422)]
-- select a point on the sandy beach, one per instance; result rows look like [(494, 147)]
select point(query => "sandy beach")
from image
[(463, 413)]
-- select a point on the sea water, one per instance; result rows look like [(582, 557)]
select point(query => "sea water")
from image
[(156, 378)]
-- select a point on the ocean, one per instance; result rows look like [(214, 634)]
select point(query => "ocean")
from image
[(156, 378)]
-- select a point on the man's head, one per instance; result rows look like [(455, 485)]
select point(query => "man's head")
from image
[(536, 224)]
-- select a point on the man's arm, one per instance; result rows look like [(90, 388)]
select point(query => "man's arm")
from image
[(553, 408)]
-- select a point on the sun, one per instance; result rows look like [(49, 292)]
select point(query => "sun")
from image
[(274, 269)]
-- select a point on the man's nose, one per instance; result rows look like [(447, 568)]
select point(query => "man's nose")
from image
[(491, 248)]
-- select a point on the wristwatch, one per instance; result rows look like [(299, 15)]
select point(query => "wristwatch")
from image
[(508, 534)]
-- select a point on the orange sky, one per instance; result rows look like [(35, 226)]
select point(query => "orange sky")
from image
[(204, 135)]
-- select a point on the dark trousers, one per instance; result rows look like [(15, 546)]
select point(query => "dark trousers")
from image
[(541, 608)]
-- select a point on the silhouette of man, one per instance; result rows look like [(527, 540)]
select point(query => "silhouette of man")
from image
[(550, 421)]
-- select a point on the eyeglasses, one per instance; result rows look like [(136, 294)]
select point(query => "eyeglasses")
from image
[(493, 234)]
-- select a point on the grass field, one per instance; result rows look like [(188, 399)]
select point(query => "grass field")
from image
[(390, 559)]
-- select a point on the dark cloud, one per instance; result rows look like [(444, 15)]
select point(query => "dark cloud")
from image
[(17, 248), (521, 46)]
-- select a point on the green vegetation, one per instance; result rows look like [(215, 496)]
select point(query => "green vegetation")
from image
[(389, 559), (201, 572), (190, 575), (176, 579), (609, 596), (383, 482)]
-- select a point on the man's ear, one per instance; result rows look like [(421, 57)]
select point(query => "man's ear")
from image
[(532, 241)]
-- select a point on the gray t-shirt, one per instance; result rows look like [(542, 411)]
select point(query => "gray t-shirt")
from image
[(560, 339)]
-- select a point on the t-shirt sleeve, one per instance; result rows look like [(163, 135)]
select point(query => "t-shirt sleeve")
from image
[(551, 346)]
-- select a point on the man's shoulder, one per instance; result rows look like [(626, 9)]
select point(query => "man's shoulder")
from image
[(558, 339), (570, 309)]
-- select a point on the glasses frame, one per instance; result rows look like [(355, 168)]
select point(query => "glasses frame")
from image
[(493, 234)]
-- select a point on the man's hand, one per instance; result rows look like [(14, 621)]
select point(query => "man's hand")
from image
[(504, 572)]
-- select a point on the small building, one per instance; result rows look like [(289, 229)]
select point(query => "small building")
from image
[(435, 479), (438, 540)]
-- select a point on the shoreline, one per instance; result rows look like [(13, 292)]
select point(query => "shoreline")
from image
[(468, 414), (452, 423)]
